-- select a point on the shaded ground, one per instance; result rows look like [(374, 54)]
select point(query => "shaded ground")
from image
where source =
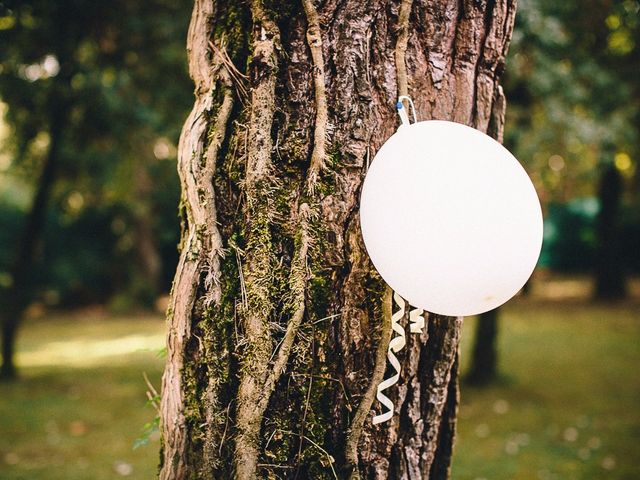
[(566, 406)]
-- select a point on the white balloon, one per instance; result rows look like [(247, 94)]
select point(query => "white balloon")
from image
[(450, 218)]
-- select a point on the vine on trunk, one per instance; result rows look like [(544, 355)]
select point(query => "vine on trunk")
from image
[(254, 395), (201, 248), (259, 253)]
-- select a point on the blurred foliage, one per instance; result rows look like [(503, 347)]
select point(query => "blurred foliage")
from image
[(569, 236), (574, 106), (573, 93), (120, 67), (120, 70)]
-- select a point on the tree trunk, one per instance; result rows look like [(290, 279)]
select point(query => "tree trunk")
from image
[(146, 283), (484, 357), (278, 323), (17, 296), (484, 361), (610, 277)]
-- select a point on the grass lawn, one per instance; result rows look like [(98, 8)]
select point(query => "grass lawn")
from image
[(566, 407), (81, 402), (568, 403)]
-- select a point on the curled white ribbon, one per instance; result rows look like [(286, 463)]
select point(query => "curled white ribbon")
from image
[(396, 344), (417, 320), (416, 317)]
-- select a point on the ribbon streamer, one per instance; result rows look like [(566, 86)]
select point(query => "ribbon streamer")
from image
[(416, 317), (396, 344), (417, 320)]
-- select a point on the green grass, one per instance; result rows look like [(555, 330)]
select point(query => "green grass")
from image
[(76, 412), (566, 406), (567, 403)]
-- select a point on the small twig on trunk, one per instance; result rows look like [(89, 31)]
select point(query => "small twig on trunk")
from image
[(330, 459), (330, 317), (302, 425), (226, 425), (238, 77), (327, 377)]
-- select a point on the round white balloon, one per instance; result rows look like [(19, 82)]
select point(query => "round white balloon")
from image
[(450, 218)]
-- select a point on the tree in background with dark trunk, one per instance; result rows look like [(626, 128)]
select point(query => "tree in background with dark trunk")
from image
[(54, 110), (609, 268), (17, 296), (278, 325), (84, 83), (484, 359), (484, 356)]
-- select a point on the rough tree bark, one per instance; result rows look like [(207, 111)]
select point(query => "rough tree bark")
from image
[(278, 324)]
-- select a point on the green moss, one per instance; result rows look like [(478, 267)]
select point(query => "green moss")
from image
[(293, 406), (280, 11), (320, 292), (261, 262), (229, 274), (232, 19), (232, 168), (294, 151), (327, 181), (334, 156)]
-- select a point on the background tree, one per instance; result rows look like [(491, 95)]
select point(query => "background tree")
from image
[(484, 356), (278, 324), (574, 109), (91, 92), (609, 268), (573, 121)]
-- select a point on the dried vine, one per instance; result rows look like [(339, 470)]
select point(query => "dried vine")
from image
[(401, 46), (364, 408), (202, 243), (259, 253), (314, 39), (298, 287), (253, 399)]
